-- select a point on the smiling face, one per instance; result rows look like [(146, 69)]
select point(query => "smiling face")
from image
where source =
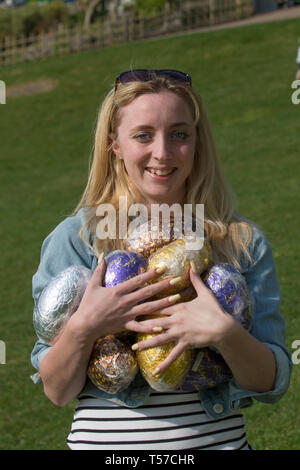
[(156, 139)]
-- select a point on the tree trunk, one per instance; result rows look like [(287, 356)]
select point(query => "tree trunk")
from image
[(89, 12)]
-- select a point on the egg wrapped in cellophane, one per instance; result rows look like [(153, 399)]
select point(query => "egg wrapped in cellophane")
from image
[(59, 300), (153, 234), (113, 365), (230, 289)]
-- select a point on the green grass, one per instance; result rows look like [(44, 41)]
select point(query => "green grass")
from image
[(244, 76)]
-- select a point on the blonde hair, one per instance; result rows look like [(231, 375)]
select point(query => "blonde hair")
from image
[(228, 232)]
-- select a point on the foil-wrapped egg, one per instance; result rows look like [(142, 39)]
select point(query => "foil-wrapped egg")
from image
[(113, 365), (208, 369), (230, 289), (154, 234), (121, 266), (177, 257), (59, 300), (150, 358)]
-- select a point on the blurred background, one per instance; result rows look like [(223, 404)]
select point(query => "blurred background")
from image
[(58, 60)]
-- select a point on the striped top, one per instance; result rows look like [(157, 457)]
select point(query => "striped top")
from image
[(168, 421)]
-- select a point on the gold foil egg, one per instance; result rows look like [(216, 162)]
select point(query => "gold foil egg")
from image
[(177, 257), (112, 365), (149, 359)]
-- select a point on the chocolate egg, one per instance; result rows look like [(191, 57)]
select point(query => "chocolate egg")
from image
[(113, 365), (121, 266), (177, 257), (152, 235), (59, 300), (230, 289), (229, 286), (149, 359), (207, 371)]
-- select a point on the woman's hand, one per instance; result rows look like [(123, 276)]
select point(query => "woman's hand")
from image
[(202, 322), (195, 324), (109, 310)]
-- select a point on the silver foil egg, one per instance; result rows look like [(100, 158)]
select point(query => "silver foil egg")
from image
[(59, 300)]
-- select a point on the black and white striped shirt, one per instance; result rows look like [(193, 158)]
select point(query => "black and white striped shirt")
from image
[(168, 421)]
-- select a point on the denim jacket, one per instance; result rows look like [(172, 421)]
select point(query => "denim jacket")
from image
[(63, 248)]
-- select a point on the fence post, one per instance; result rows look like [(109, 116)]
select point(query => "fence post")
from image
[(212, 12)]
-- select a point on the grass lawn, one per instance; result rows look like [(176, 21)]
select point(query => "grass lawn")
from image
[(244, 75)]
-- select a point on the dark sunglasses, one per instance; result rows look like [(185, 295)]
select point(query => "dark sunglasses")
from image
[(144, 75)]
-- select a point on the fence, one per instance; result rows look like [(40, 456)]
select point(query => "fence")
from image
[(194, 14)]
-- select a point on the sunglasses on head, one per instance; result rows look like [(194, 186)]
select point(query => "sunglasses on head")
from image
[(144, 75)]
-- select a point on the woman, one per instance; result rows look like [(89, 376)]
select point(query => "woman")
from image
[(153, 144)]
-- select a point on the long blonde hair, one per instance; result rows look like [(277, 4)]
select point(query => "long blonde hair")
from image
[(228, 232)]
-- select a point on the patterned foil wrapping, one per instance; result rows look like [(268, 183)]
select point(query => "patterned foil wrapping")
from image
[(208, 370), (113, 364), (177, 258), (229, 286), (123, 265), (149, 237), (59, 300), (230, 289), (150, 358)]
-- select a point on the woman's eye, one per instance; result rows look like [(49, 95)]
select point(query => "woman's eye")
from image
[(181, 135), (143, 136)]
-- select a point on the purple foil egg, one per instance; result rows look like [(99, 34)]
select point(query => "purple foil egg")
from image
[(123, 265), (208, 367), (230, 288)]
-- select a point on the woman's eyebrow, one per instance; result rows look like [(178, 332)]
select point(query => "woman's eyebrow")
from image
[(174, 124)]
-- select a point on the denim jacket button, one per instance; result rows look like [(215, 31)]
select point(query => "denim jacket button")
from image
[(218, 408)]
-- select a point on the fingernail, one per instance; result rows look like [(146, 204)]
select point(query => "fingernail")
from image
[(157, 329), (101, 256), (134, 347), (175, 280), (156, 371), (193, 266), (161, 268), (175, 297)]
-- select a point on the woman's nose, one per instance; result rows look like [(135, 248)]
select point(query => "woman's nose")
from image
[(162, 148)]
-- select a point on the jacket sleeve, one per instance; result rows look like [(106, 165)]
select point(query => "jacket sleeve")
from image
[(268, 324), (61, 248)]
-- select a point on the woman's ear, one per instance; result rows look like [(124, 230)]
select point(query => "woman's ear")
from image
[(114, 146)]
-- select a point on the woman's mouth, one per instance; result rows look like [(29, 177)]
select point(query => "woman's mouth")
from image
[(160, 173)]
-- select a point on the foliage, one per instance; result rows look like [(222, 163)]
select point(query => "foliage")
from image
[(33, 18), (151, 6)]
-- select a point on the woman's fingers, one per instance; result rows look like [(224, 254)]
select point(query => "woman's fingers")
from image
[(98, 274), (174, 354), (197, 282), (138, 327), (139, 281), (154, 306), (156, 340)]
